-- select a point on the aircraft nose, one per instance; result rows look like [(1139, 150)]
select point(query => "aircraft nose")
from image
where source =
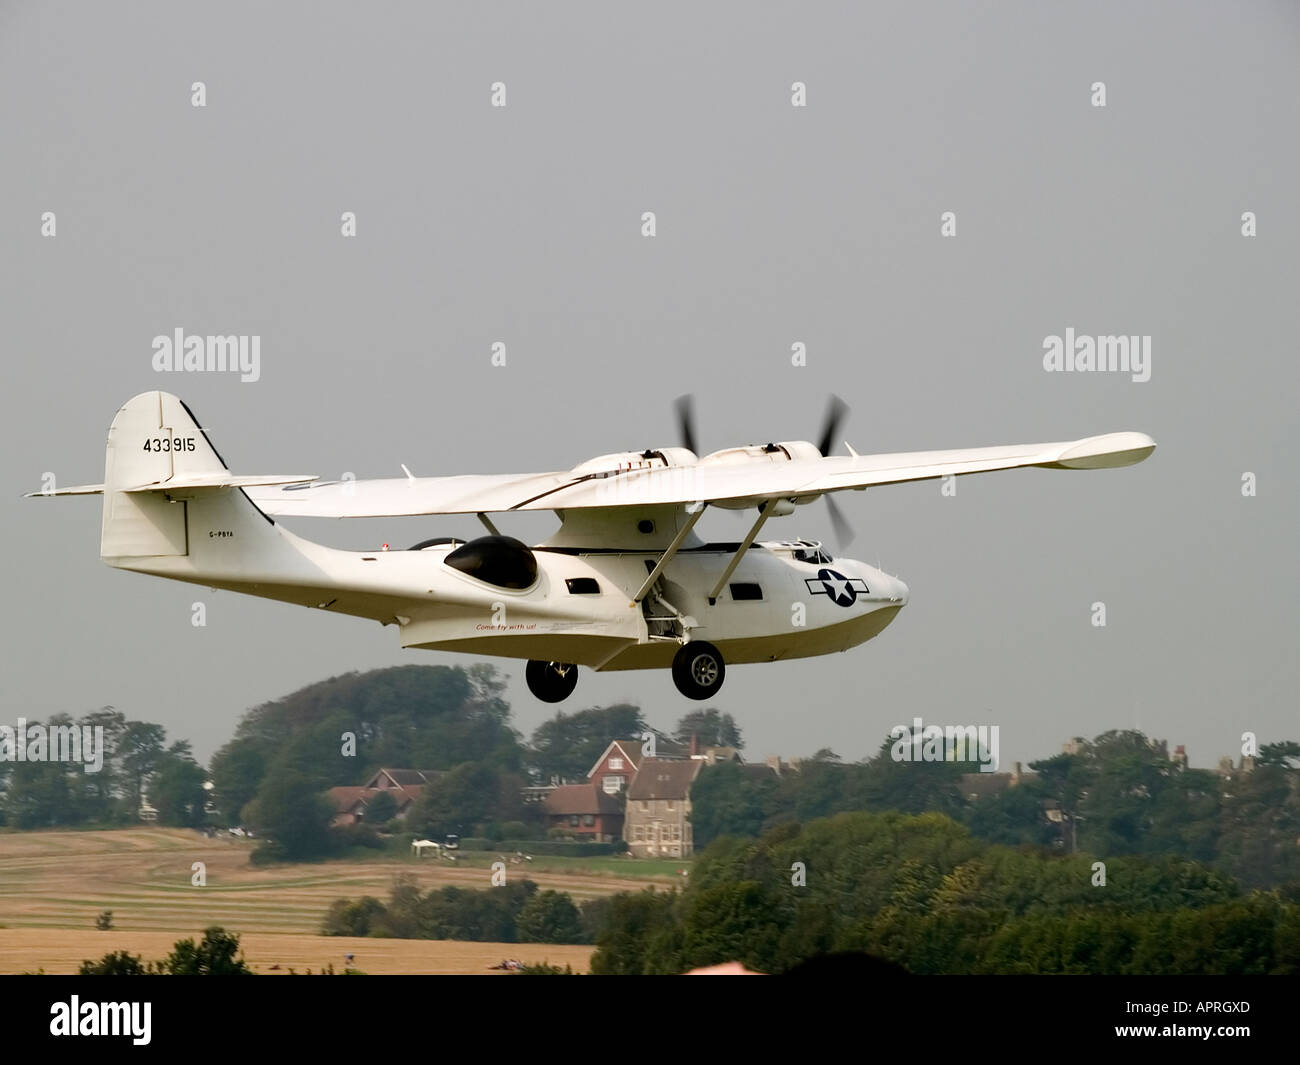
[(900, 591)]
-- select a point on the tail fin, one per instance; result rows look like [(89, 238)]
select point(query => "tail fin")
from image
[(158, 460), (140, 452)]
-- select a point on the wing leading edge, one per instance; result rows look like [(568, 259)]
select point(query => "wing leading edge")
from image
[(723, 484)]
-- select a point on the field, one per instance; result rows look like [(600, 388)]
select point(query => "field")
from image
[(61, 950), (53, 884)]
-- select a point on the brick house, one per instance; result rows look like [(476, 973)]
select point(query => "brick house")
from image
[(616, 767), (657, 821), (586, 812), (404, 785)]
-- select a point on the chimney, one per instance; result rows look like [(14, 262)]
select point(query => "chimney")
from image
[(694, 745)]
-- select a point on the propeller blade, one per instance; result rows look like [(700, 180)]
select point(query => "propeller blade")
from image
[(844, 533), (686, 422), (835, 412)]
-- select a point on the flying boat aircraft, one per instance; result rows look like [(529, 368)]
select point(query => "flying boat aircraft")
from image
[(624, 583)]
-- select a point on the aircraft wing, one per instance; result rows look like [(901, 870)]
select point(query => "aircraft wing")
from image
[(725, 483)]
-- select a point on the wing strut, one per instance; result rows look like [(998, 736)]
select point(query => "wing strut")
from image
[(764, 512), (694, 510), (487, 523)]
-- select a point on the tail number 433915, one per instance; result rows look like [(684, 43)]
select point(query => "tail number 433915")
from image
[(169, 443)]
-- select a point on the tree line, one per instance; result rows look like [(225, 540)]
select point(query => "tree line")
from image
[(921, 891), (1116, 795), (137, 761), (515, 912)]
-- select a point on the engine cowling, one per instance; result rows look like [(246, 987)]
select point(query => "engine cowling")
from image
[(649, 459), (786, 451)]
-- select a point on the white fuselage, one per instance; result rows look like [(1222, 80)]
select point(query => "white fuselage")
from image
[(773, 606), (798, 604)]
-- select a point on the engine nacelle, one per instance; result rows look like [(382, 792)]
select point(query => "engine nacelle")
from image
[(786, 451), (638, 460), (800, 449)]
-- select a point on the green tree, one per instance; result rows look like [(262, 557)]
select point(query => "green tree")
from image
[(116, 963), (381, 809), (472, 794), (1259, 841), (104, 786), (568, 745), (217, 954), (728, 799), (293, 814), (416, 717), (237, 771), (176, 790), (141, 745), (710, 729), (549, 917), (351, 917), (640, 935)]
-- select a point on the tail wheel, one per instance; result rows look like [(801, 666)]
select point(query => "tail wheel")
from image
[(552, 682), (698, 670)]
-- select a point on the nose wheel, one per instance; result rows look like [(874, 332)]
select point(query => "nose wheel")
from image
[(552, 682), (698, 670)]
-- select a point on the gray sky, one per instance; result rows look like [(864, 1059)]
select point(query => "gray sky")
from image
[(775, 225)]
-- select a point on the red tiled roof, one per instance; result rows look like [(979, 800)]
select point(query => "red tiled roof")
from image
[(345, 797), (581, 799)]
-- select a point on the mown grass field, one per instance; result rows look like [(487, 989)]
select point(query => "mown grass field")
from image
[(61, 950), (53, 884)]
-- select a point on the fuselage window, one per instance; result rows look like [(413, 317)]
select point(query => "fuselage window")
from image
[(582, 586), (499, 560), (746, 590)]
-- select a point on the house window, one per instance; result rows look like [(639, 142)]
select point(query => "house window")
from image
[(573, 820), (616, 763), (613, 785), (638, 834), (588, 820), (645, 806), (669, 804)]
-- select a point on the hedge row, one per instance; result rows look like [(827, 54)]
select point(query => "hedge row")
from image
[(554, 848)]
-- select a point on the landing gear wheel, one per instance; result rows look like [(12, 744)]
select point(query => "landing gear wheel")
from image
[(552, 682), (698, 670)]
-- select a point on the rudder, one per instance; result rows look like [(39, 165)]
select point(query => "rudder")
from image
[(154, 439)]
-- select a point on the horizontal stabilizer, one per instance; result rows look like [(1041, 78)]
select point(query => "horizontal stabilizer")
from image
[(196, 481), (75, 490), (221, 480)]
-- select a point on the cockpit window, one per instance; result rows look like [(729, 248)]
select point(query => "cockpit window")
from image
[(499, 560), (814, 555)]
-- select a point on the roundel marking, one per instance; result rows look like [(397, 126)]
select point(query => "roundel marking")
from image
[(838, 587)]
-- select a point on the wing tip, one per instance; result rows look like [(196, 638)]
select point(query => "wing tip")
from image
[(1109, 451)]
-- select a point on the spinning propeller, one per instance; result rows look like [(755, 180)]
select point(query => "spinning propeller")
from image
[(836, 409)]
